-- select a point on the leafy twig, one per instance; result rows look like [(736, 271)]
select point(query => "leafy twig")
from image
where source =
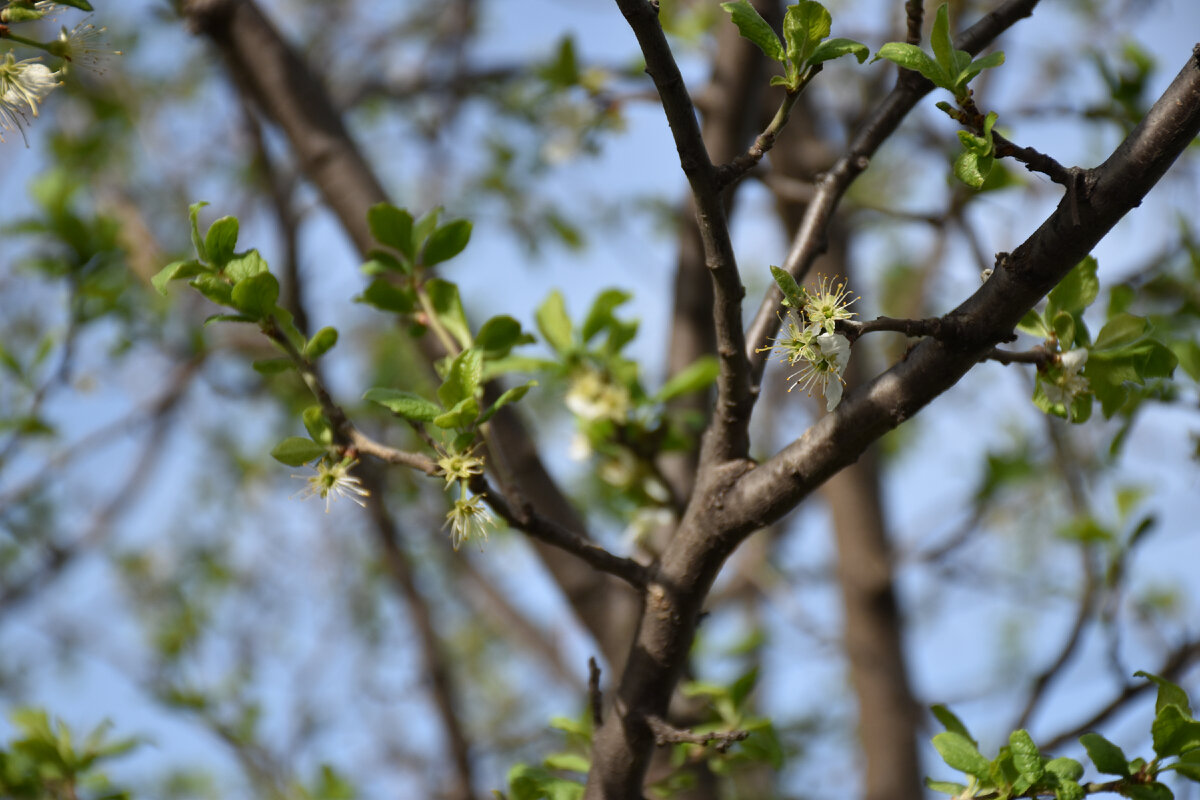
[(666, 733)]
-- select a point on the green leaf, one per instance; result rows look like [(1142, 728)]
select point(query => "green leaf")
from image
[(805, 24), (82, 5), (381, 262), (1068, 790), (406, 404), (972, 168), (1025, 756), (945, 787), (272, 366), (693, 378), (392, 226), (446, 303), (742, 687), (1121, 330), (960, 753), (911, 57), (555, 324), (836, 48), (197, 242), (175, 271), (446, 242), (321, 343), (317, 425), (1066, 769), (941, 41), (499, 335), (570, 762), (214, 288), (600, 315), (787, 284), (296, 451), (1108, 757), (462, 379), (244, 265), (1187, 352), (461, 415), (227, 318), (753, 27), (1147, 791), (1032, 324), (1174, 732), (952, 723), (1064, 327), (1188, 765), (386, 296), (964, 76), (220, 240), (256, 296), (1168, 693), (1077, 290), (510, 396), (426, 225)]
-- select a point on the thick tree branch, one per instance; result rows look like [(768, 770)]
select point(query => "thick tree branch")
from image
[(809, 241), (731, 105), (727, 436), (987, 317)]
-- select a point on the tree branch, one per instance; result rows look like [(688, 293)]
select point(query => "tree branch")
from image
[(666, 733), (809, 241), (523, 517), (728, 435)]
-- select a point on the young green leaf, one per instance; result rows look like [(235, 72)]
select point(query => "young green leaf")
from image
[(272, 366), (805, 24), (600, 315), (1065, 769), (972, 68), (317, 425), (214, 288), (555, 324), (693, 378), (941, 41), (406, 404), (321, 343), (461, 415), (960, 753), (972, 168), (220, 241), (256, 296), (1025, 756), (499, 335), (836, 48), (176, 270), (245, 265), (448, 307), (392, 226), (787, 284), (423, 227), (1077, 290), (446, 242), (511, 396), (911, 57), (1174, 732), (296, 451), (1108, 757), (386, 296), (197, 241), (952, 723), (753, 27), (462, 379)]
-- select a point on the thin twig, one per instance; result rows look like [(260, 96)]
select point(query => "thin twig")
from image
[(665, 733), (730, 173), (523, 517), (594, 696)]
